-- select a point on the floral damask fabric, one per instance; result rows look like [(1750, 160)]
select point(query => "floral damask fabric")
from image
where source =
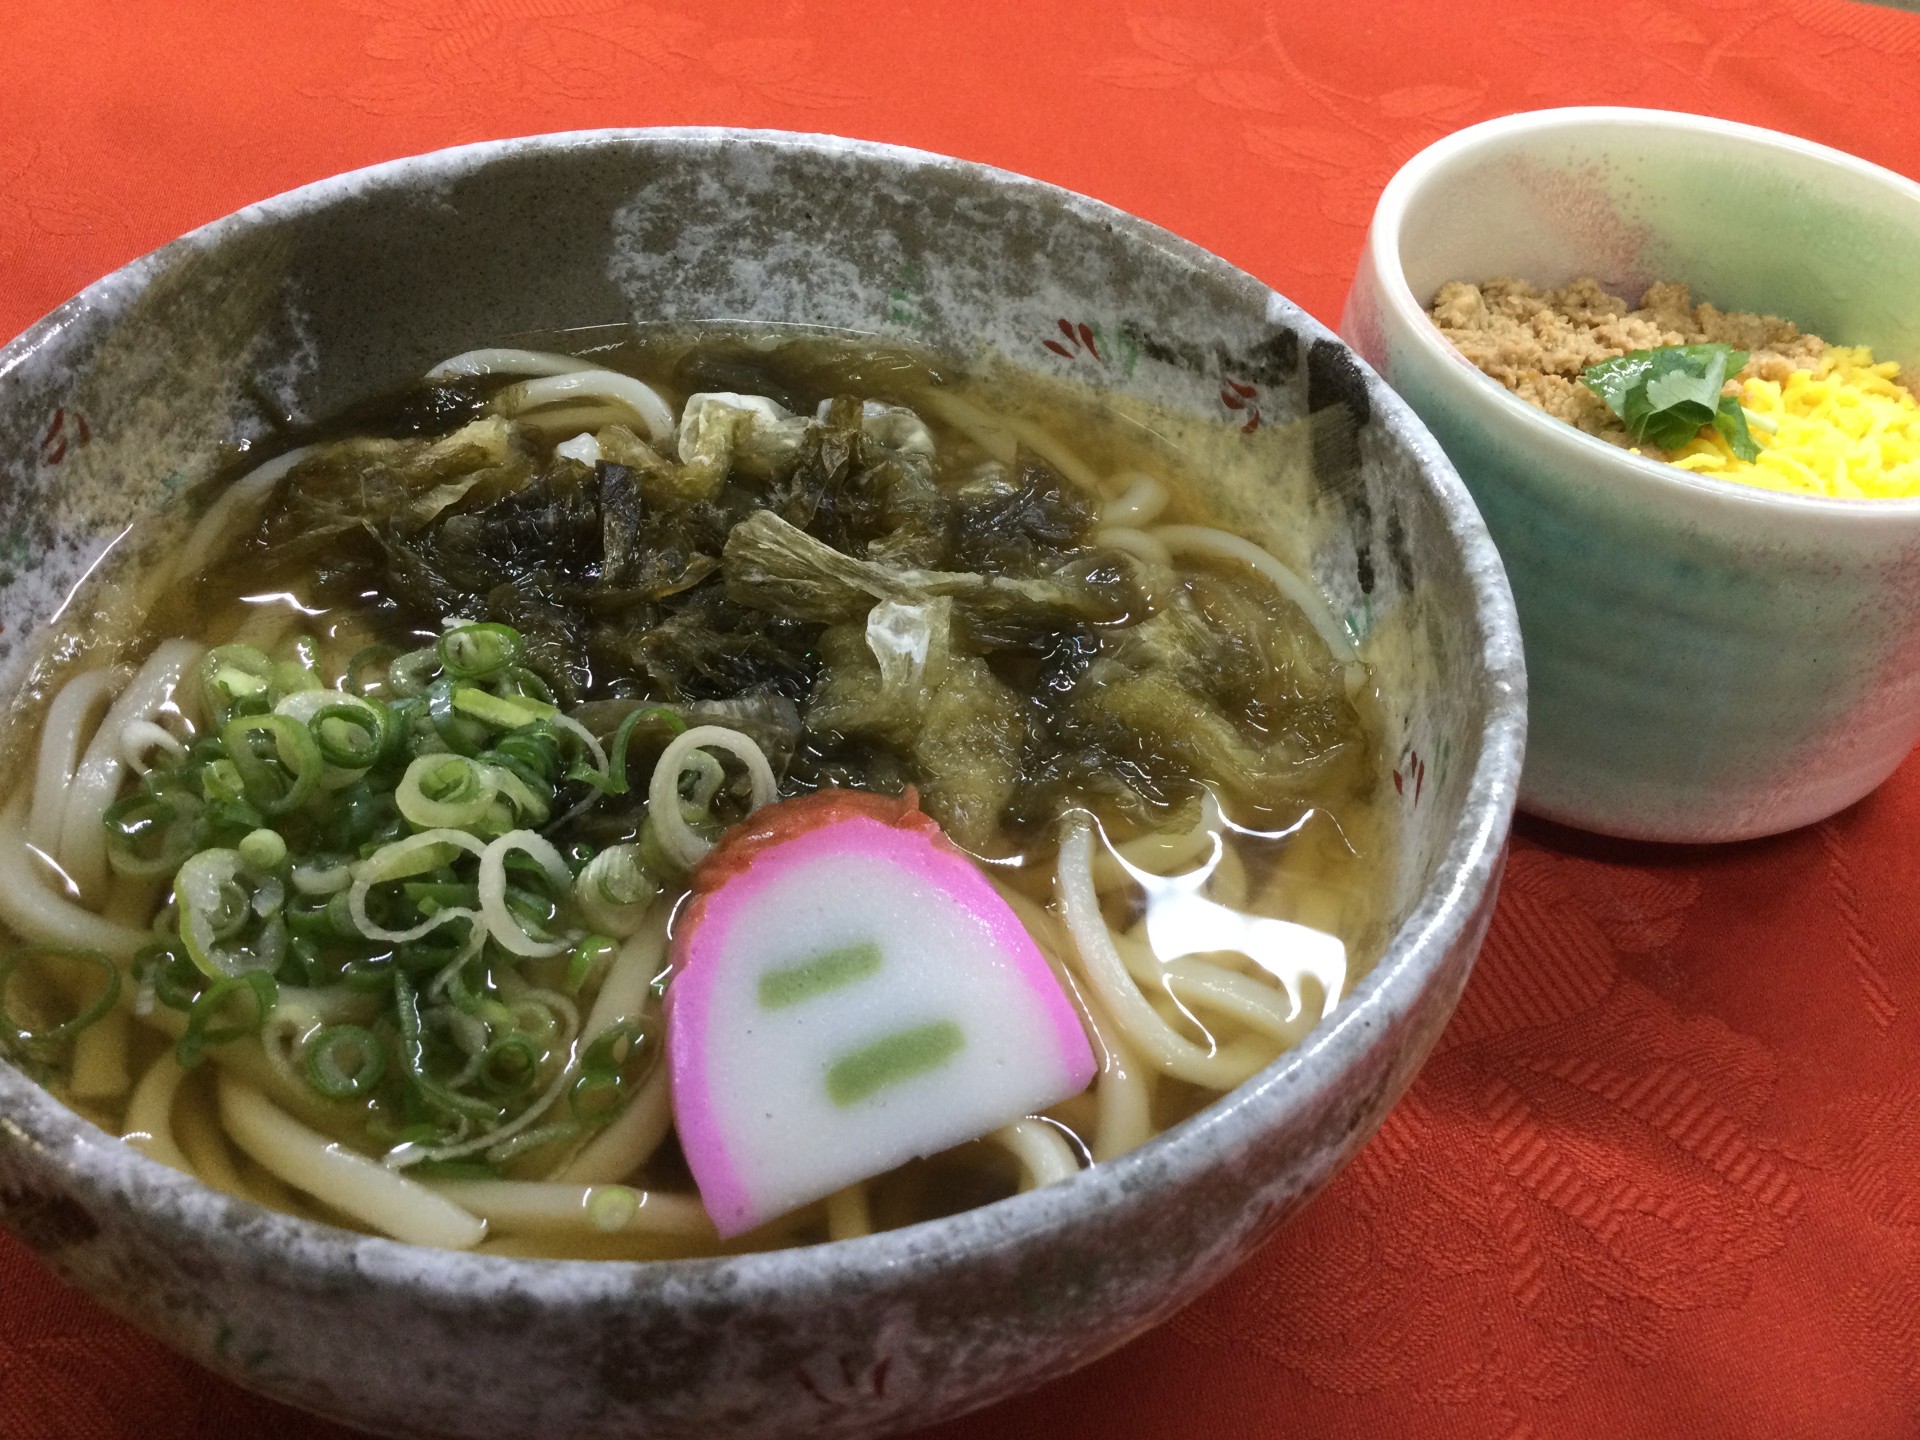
[(1662, 1175)]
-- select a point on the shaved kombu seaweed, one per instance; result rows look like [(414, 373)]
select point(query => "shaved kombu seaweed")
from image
[(877, 605)]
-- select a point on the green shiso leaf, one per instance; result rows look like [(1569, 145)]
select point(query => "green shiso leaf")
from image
[(1665, 396), (1731, 421)]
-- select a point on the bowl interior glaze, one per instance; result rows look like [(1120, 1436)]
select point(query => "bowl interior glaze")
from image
[(346, 289)]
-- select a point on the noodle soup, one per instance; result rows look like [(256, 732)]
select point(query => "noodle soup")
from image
[(373, 881)]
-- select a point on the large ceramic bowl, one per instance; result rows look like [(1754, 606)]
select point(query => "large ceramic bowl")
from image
[(117, 402), (1706, 661)]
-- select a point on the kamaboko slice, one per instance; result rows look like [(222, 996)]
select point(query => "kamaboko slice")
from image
[(849, 993)]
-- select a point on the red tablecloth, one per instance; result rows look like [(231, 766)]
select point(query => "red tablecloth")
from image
[(1661, 1177)]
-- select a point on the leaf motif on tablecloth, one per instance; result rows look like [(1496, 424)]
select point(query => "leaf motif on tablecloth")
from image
[(1142, 72), (781, 69), (458, 58), (1348, 169), (1879, 28), (1578, 35), (1871, 981), (1179, 39), (1440, 102), (1865, 1151), (1248, 90), (1539, 965), (1577, 1170)]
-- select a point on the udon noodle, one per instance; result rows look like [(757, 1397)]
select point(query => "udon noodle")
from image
[(352, 886)]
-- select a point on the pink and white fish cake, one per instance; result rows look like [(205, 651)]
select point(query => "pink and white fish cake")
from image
[(850, 993)]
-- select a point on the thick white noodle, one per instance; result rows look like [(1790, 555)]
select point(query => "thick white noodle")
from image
[(239, 505), (1163, 1047), (848, 1214), (1001, 435), (98, 1070), (676, 837), (352, 1184), (1159, 851), (211, 1158), (101, 771), (1043, 1153), (1139, 504), (1140, 544), (1206, 540), (547, 1207), (627, 990), (148, 1123), (1123, 1090), (139, 741), (71, 720), (1211, 986), (37, 914), (629, 1142), (609, 385), (471, 364)]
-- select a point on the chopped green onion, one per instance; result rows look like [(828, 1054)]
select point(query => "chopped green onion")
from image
[(374, 658), (41, 1038), (617, 753), (256, 992), (510, 1065), (353, 735), (446, 791), (473, 652), (169, 972), (217, 908), (411, 673), (344, 1061), (286, 773), (291, 677), (235, 680), (612, 1208), (586, 955), (462, 734), (508, 714), (701, 776), (148, 835), (262, 850)]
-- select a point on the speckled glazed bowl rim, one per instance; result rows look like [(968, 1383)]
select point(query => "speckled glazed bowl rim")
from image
[(1659, 479), (173, 1203)]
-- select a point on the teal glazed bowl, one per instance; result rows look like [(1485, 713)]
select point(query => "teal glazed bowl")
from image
[(348, 288), (1706, 661)]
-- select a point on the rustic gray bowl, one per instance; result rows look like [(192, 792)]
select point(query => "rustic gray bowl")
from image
[(115, 404)]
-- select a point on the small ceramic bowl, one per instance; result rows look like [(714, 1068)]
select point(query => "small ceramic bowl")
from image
[(1706, 661), (116, 404)]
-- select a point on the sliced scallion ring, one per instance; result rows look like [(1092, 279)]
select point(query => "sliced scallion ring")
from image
[(210, 1020), (402, 860), (149, 835), (42, 1037), (218, 920), (445, 790), (500, 921), (344, 1061), (474, 652), (281, 775), (235, 680)]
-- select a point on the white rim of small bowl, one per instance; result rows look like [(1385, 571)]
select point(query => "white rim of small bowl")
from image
[(1661, 479), (104, 1169)]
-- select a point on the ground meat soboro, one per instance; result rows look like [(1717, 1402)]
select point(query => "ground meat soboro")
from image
[(1537, 342)]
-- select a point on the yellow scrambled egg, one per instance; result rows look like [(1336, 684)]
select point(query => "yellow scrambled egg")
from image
[(1844, 430)]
